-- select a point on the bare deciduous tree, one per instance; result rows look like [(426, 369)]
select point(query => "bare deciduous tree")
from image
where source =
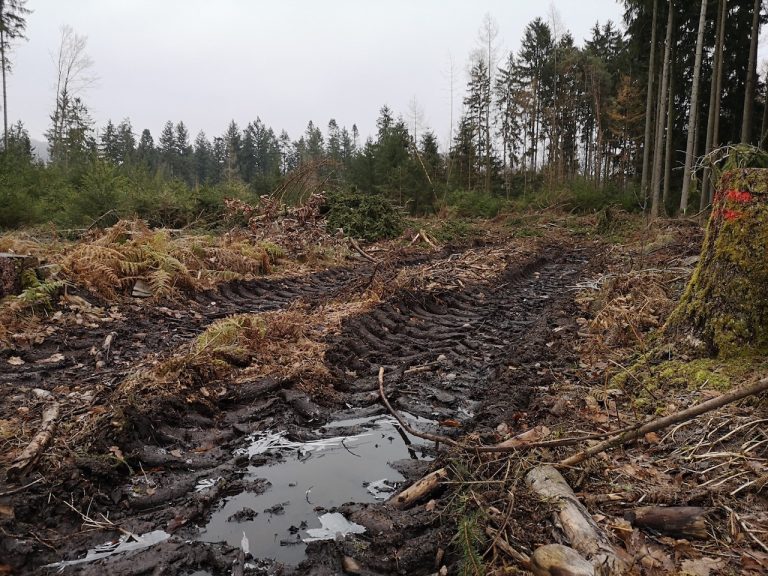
[(73, 76)]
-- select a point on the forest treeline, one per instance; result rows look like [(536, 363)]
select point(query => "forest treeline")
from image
[(625, 118)]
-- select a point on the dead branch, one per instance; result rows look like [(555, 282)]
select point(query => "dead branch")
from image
[(559, 560), (418, 489), (582, 531), (360, 251), (29, 456), (404, 424), (666, 421), (680, 521)]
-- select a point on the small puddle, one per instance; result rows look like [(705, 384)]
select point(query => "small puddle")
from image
[(312, 478)]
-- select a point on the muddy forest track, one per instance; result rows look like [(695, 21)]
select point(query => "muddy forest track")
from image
[(443, 351), (71, 354), (466, 358)]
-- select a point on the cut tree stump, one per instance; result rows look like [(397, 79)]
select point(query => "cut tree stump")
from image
[(12, 267), (725, 305)]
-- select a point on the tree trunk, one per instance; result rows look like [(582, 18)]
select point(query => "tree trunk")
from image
[(764, 128), (713, 124), (668, 152), (2, 63), (662, 117), (12, 268), (694, 113), (725, 306), (649, 106), (749, 92)]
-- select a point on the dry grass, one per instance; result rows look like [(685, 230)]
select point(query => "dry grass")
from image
[(113, 261)]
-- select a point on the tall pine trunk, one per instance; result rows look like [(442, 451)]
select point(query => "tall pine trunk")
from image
[(668, 152), (749, 92), (2, 63), (661, 117), (713, 119), (649, 106), (693, 118)]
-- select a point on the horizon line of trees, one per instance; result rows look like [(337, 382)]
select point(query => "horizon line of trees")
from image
[(628, 114)]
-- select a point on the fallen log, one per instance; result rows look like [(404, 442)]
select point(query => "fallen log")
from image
[(667, 421), (679, 521), (24, 462), (559, 560), (583, 533)]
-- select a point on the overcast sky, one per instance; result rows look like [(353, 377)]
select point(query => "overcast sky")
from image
[(286, 61)]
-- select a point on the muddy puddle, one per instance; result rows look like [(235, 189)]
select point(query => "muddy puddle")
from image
[(349, 462)]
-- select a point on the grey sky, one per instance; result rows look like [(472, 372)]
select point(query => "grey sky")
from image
[(286, 61)]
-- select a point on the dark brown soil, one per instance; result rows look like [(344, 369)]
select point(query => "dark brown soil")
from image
[(463, 360)]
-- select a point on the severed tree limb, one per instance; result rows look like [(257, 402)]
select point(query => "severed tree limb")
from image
[(360, 251), (29, 456), (404, 424), (418, 490), (559, 560), (679, 521), (666, 421), (582, 532)]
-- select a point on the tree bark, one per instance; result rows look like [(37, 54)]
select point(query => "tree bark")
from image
[(2, 63), (662, 116), (668, 152), (649, 106), (725, 305), (713, 123), (678, 521), (749, 91), (693, 118)]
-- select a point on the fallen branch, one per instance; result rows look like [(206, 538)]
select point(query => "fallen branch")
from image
[(559, 560), (666, 421), (360, 251), (29, 456), (418, 489), (404, 424), (583, 533)]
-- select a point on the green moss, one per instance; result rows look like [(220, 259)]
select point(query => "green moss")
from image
[(649, 383), (725, 305)]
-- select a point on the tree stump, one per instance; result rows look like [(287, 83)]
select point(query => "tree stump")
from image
[(12, 267), (724, 309)]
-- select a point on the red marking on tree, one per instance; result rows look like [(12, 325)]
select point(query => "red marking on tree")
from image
[(729, 214), (740, 196)]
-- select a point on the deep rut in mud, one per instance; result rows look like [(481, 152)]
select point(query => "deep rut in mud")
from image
[(455, 361)]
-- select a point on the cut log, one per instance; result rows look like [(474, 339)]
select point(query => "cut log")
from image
[(583, 533), (559, 560), (679, 521), (12, 267), (31, 454)]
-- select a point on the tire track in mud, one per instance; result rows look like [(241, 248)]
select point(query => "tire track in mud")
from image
[(473, 355), (441, 351), (77, 354)]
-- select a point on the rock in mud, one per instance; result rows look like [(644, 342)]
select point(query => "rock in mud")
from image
[(244, 515)]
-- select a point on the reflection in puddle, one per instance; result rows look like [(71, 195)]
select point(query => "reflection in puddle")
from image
[(313, 478)]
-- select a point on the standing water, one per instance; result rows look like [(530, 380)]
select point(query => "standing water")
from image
[(309, 480)]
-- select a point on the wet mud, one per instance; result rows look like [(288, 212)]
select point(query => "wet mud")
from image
[(241, 490)]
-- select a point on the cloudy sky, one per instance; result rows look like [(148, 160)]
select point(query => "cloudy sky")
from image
[(286, 61)]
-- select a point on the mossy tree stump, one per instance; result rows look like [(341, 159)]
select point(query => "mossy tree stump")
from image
[(725, 306)]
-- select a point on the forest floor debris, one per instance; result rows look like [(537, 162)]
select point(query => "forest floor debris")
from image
[(481, 343)]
